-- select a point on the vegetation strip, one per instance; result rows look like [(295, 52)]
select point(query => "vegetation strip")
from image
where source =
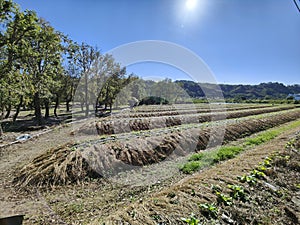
[(200, 160)]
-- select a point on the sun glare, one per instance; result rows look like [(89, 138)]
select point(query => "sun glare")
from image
[(190, 4)]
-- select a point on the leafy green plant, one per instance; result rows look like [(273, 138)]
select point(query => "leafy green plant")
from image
[(224, 199), (262, 138), (209, 210), (237, 192), (258, 174), (196, 157), (261, 168), (225, 153), (248, 179), (192, 220), (191, 167)]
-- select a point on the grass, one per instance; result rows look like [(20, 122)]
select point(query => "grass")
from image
[(200, 160)]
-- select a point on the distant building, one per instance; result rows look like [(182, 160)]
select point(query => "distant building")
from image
[(295, 96)]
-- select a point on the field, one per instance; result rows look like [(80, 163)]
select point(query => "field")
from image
[(171, 164)]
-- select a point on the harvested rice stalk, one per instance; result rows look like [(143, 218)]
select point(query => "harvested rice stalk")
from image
[(58, 166)]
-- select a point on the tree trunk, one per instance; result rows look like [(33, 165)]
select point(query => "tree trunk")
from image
[(86, 95), (8, 110), (68, 105), (110, 107), (47, 108), (81, 105), (1, 131), (56, 105), (37, 108), (18, 109)]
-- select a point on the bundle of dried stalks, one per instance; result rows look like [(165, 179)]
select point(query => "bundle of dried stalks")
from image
[(58, 166)]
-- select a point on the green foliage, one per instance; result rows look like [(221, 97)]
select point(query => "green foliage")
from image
[(271, 92), (250, 179), (153, 100), (257, 174), (225, 153), (209, 210), (192, 220), (237, 192), (262, 138), (224, 199), (196, 157), (191, 167)]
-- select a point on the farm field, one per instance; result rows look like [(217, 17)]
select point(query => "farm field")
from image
[(130, 164)]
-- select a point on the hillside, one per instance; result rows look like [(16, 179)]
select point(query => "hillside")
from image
[(271, 90)]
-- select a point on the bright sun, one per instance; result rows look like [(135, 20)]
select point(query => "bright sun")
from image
[(190, 4)]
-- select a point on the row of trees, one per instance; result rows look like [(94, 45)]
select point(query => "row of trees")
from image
[(40, 65)]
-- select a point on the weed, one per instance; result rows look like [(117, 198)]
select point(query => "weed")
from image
[(192, 220), (209, 210)]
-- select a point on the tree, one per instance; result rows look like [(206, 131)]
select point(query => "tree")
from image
[(113, 85), (85, 57), (42, 62)]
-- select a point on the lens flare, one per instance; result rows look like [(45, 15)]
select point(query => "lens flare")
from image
[(190, 4)]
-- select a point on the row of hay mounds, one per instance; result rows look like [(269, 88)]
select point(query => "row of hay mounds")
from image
[(117, 126), (67, 164), (145, 151), (58, 166), (132, 114), (179, 107)]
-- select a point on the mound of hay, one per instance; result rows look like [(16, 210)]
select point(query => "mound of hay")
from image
[(58, 166)]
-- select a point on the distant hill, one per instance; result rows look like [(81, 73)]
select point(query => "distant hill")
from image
[(271, 90)]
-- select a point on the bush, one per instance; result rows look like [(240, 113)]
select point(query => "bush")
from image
[(154, 100)]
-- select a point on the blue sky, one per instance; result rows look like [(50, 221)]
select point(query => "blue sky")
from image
[(242, 41)]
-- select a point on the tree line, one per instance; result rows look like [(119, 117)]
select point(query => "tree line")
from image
[(40, 65), (262, 91)]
